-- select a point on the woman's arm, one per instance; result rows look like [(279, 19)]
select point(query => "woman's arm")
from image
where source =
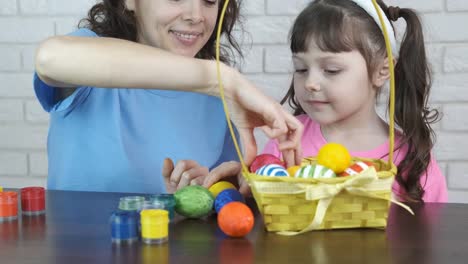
[(69, 61)]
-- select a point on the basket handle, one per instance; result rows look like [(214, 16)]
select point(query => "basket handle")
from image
[(388, 47), (392, 87)]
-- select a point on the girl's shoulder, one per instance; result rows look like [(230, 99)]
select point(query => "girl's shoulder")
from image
[(311, 128), (307, 121), (304, 118)]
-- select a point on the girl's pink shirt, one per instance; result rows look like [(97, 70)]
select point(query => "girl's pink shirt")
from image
[(433, 182)]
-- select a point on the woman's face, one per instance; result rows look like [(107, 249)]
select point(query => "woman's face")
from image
[(180, 26)]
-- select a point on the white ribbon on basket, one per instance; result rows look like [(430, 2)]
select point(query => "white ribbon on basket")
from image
[(326, 192)]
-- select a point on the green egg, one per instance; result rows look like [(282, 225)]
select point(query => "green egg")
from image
[(193, 201)]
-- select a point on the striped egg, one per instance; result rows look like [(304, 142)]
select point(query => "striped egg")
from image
[(315, 171), (272, 170), (356, 168)]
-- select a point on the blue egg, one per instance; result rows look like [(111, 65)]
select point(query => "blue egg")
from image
[(273, 170), (227, 196)]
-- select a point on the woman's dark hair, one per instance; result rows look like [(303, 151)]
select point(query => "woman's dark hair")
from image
[(343, 26), (111, 18)]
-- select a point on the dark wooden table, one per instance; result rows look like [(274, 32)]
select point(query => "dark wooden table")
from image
[(76, 229)]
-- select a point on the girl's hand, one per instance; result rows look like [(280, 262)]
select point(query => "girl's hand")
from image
[(184, 173), (250, 108), (226, 170)]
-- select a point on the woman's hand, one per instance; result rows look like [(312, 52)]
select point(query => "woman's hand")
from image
[(189, 172), (228, 171), (184, 173), (250, 108)]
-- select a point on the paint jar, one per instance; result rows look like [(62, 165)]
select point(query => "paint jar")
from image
[(124, 227), (168, 201), (33, 201), (154, 226), (8, 206)]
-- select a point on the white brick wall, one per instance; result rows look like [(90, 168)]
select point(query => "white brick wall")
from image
[(457, 5), (8, 7), (23, 124)]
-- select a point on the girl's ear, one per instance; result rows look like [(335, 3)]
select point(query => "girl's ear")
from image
[(381, 74), (130, 4)]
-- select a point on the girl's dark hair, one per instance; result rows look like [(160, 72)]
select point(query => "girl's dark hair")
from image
[(111, 18), (342, 26)]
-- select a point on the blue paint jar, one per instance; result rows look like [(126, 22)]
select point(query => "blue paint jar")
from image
[(124, 226)]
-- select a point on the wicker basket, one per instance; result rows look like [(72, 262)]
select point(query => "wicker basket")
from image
[(296, 205), (292, 206)]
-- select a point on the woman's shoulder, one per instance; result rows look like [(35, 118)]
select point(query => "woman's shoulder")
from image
[(83, 32)]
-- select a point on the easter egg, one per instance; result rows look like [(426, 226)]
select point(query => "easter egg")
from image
[(273, 170), (264, 159), (356, 168), (292, 170), (193, 201), (315, 171), (218, 187), (227, 196), (334, 156), (235, 219)]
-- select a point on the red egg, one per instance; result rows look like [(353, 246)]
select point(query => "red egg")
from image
[(235, 219), (265, 159), (356, 168)]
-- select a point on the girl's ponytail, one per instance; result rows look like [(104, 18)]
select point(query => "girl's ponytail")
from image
[(412, 115)]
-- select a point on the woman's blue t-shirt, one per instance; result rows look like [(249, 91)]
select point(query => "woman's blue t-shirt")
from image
[(115, 140)]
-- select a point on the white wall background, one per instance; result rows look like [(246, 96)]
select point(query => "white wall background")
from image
[(23, 124)]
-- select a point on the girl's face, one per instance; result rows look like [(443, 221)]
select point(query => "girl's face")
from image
[(179, 26), (333, 88)]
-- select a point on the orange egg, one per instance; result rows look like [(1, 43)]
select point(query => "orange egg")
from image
[(235, 219), (292, 170), (357, 168)]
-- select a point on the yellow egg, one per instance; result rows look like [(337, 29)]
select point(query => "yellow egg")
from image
[(334, 156), (218, 187), (292, 170)]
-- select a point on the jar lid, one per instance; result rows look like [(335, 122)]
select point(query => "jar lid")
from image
[(131, 203)]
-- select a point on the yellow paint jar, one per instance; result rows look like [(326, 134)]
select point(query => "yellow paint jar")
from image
[(154, 226)]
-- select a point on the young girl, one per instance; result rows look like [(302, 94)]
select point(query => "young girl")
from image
[(340, 67), (114, 92)]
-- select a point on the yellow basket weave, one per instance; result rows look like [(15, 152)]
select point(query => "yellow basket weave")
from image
[(297, 205), (291, 206)]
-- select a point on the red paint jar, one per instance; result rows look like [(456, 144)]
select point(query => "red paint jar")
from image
[(33, 200)]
